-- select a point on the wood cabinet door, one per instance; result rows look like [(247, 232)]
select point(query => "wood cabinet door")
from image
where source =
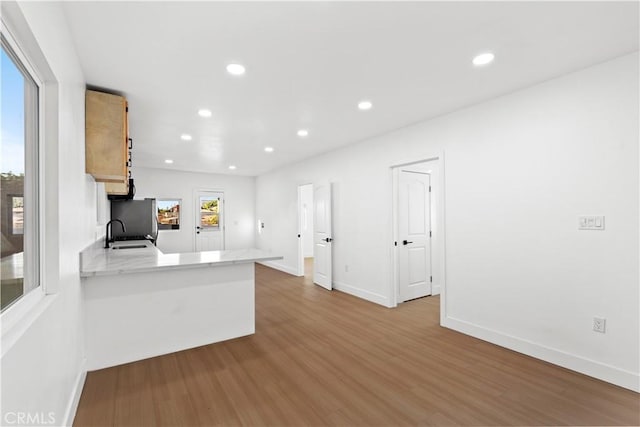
[(106, 137)]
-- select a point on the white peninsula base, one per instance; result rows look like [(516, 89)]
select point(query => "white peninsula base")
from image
[(141, 315), (133, 315)]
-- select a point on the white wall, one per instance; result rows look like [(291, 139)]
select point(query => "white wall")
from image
[(519, 170), (42, 356), (306, 219), (239, 195)]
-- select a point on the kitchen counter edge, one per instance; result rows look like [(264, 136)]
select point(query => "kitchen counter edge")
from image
[(97, 261)]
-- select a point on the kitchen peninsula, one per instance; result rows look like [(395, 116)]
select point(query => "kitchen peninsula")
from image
[(141, 303)]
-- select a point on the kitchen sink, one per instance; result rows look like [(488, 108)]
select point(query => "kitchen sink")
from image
[(130, 247)]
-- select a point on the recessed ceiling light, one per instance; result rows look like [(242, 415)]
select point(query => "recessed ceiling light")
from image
[(268, 149), (168, 161), (483, 59), (303, 132), (236, 69), (185, 137), (204, 113), (365, 105), (232, 167)]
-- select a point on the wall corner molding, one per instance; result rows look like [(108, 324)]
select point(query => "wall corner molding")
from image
[(76, 393), (281, 267), (361, 293)]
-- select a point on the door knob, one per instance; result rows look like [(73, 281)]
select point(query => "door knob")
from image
[(406, 242)]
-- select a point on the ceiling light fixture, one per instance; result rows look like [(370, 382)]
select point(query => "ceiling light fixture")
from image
[(204, 113), (303, 132), (365, 105), (232, 167), (268, 149), (236, 69), (483, 59), (185, 137), (168, 161)]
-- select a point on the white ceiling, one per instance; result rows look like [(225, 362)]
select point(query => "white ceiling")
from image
[(309, 64)]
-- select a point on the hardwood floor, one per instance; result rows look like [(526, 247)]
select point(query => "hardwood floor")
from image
[(327, 358)]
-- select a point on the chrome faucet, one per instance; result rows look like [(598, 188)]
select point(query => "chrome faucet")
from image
[(108, 240)]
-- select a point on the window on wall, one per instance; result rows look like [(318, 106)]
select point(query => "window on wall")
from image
[(168, 214), (209, 212), (19, 177)]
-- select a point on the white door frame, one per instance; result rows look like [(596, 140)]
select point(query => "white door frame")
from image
[(438, 242), (222, 218)]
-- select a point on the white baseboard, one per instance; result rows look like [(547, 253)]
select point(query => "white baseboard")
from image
[(343, 287), (361, 293), (435, 290), (604, 372), (281, 267), (74, 399)]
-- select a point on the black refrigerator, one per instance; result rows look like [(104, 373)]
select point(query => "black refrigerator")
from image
[(139, 218)]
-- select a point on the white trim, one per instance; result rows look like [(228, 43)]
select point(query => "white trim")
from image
[(363, 294), (76, 393), (17, 50), (14, 27), (608, 373), (33, 186), (338, 286), (281, 267)]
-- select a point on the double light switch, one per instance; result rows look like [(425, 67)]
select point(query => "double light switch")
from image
[(590, 222)]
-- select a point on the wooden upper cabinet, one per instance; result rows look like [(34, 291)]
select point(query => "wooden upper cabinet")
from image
[(106, 133)]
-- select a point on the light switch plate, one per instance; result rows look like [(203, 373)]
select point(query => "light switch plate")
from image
[(591, 222)]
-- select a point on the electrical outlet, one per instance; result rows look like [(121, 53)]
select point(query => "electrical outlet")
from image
[(599, 324), (346, 268)]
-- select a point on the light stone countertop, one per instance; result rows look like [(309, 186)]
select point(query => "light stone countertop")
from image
[(98, 261)]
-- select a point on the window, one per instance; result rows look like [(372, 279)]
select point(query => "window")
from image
[(19, 178), (168, 214), (209, 212), (16, 204)]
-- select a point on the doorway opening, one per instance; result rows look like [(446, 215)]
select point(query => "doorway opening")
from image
[(315, 241), (418, 229), (305, 230)]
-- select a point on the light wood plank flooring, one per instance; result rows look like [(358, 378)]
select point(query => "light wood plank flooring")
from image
[(327, 358)]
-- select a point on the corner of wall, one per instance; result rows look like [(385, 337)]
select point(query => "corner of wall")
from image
[(362, 293), (76, 393)]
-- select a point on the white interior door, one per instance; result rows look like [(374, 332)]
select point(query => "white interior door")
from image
[(322, 235), (209, 230), (414, 232)]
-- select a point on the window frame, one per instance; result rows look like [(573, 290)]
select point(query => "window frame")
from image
[(217, 214), (34, 240), (170, 199)]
